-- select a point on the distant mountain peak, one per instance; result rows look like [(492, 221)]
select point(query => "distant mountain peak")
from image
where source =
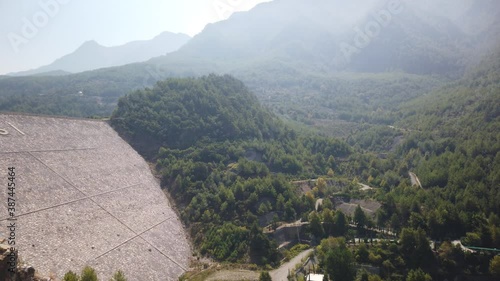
[(168, 33), (92, 55), (90, 44)]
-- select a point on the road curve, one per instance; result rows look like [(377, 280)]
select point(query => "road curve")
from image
[(281, 273)]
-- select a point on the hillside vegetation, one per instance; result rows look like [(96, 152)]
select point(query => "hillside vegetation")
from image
[(226, 179), (179, 113), (450, 139), (226, 160)]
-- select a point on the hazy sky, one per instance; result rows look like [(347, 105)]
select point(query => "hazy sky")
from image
[(36, 32)]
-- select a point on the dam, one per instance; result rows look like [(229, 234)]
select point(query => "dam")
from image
[(83, 196)]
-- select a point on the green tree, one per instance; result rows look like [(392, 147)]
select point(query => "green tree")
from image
[(451, 259), (275, 222), (70, 276), (362, 254), (374, 278), (264, 276), (321, 185), (280, 203), (418, 275), (330, 173), (340, 264), (395, 223), (316, 227), (415, 248), (227, 242), (341, 226), (388, 267), (262, 249), (328, 222), (88, 274), (360, 219), (495, 266), (327, 203), (119, 276), (364, 276)]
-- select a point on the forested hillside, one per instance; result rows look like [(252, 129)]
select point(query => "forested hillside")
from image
[(227, 178), (226, 160), (180, 113), (450, 139)]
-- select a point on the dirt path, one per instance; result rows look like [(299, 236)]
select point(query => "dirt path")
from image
[(281, 273), (415, 180), (231, 275), (365, 187)]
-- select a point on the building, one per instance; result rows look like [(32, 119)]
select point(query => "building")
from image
[(315, 277)]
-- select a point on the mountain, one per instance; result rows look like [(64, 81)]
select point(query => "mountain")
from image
[(466, 110), (268, 28), (283, 46), (478, 20), (336, 36), (470, 16), (92, 56), (452, 142)]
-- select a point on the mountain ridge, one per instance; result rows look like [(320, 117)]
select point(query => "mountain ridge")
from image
[(91, 55), (279, 51)]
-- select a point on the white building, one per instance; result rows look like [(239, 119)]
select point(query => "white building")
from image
[(315, 277)]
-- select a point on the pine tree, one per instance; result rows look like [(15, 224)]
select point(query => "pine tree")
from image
[(264, 276)]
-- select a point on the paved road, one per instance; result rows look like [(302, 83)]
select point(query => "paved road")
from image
[(281, 273)]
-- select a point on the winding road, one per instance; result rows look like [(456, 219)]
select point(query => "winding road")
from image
[(281, 273)]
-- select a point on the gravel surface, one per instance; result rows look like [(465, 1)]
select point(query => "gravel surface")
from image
[(234, 275)]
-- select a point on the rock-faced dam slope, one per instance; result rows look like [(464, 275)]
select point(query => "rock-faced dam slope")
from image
[(85, 197)]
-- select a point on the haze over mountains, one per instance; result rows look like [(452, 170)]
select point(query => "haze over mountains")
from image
[(363, 36), (284, 43), (92, 56)]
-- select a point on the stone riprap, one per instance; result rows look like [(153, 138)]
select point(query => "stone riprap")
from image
[(85, 197)]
